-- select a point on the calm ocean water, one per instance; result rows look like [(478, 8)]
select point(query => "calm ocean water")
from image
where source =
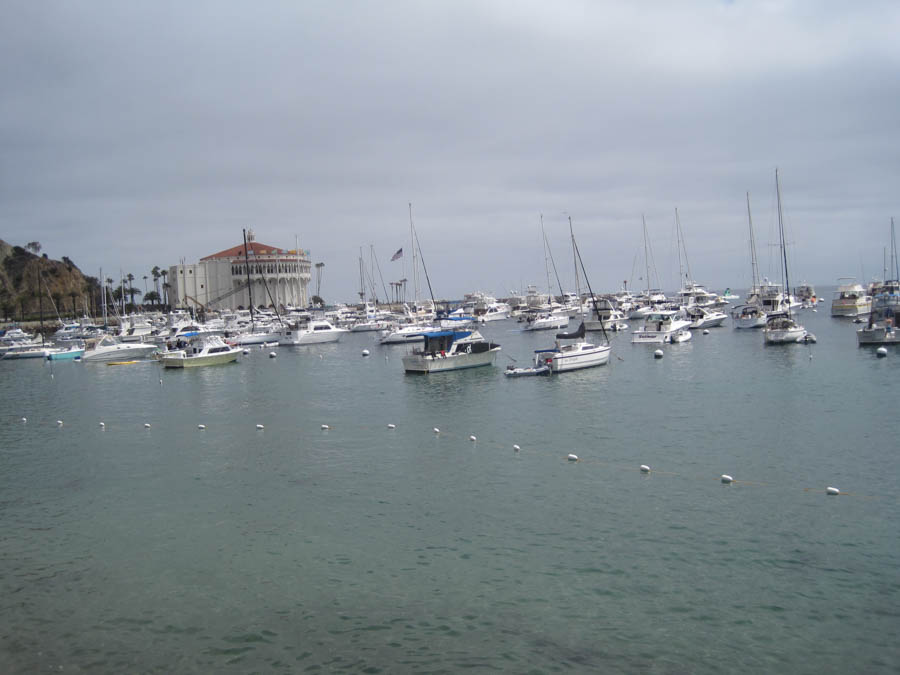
[(368, 549)]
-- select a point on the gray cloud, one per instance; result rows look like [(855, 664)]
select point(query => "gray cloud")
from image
[(135, 134)]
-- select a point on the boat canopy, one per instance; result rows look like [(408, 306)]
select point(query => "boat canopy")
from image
[(454, 334)]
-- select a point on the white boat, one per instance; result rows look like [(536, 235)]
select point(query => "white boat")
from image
[(572, 352), (881, 328), (26, 350), (701, 317), (108, 348), (748, 316), (850, 299), (781, 328), (403, 333), (662, 326), (605, 316), (495, 311), (73, 351), (450, 350), (316, 331), (728, 296), (546, 321), (209, 350)]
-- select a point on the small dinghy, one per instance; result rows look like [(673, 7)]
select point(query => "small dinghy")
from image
[(512, 371)]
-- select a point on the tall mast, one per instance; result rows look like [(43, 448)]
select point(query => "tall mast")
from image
[(362, 283), (575, 262), (249, 284), (546, 260), (894, 262), (754, 269), (678, 245), (787, 284), (412, 238), (646, 256)]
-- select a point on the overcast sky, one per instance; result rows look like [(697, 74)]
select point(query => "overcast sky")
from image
[(138, 133)]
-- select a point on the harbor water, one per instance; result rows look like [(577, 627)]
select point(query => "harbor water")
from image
[(362, 548)]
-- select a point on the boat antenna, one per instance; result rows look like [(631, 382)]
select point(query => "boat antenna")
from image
[(588, 283), (249, 284)]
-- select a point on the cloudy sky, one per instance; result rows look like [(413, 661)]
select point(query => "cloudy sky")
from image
[(139, 133)]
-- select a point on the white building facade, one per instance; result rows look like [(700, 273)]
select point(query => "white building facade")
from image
[(278, 277)]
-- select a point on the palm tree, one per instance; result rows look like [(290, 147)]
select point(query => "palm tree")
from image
[(152, 297), (164, 274), (131, 290), (155, 273)]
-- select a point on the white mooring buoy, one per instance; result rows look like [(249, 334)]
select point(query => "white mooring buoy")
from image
[(658, 354), (24, 419), (645, 468), (201, 426), (881, 352), (516, 448), (59, 422), (272, 355), (436, 430), (392, 426), (572, 457), (365, 352), (706, 331), (146, 425), (727, 479), (102, 424), (246, 351), (325, 427), (260, 427), (832, 491), (472, 438)]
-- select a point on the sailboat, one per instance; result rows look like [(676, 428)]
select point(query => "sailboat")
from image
[(751, 313), (572, 351), (881, 328), (781, 328)]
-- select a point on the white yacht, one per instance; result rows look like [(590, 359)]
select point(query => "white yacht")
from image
[(748, 316), (702, 317), (406, 332), (316, 331), (209, 350), (850, 299), (26, 350), (108, 348), (881, 328), (662, 326), (450, 350), (572, 352), (605, 316), (546, 321), (495, 311)]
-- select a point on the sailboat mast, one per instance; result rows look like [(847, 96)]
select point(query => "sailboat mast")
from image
[(787, 284), (894, 262), (249, 284), (754, 269), (546, 260), (575, 262), (646, 256), (362, 283), (412, 238), (678, 245)]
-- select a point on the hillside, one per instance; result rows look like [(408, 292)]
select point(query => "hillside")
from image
[(22, 273)]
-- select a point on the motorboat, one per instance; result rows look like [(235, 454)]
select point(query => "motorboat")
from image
[(107, 348), (728, 296), (450, 350), (206, 350), (605, 316), (701, 317), (316, 331), (546, 321), (662, 326), (850, 299), (495, 311), (572, 352), (73, 351), (403, 333), (881, 328), (26, 350)]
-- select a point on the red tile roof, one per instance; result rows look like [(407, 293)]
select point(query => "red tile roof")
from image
[(253, 248)]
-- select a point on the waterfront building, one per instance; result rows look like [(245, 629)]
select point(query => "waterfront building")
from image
[(278, 277)]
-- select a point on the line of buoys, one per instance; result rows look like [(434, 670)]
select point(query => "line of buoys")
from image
[(645, 468), (658, 354), (728, 480), (572, 457)]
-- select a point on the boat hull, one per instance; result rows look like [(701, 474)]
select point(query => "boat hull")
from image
[(878, 335), (784, 336), (121, 352), (64, 355), (562, 362), (183, 361), (420, 363)]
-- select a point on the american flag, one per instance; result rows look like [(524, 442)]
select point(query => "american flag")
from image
[(398, 254)]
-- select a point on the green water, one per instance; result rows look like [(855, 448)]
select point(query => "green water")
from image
[(367, 549)]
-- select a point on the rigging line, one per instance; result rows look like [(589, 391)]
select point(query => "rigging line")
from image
[(552, 262), (587, 281), (425, 269), (378, 266)]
